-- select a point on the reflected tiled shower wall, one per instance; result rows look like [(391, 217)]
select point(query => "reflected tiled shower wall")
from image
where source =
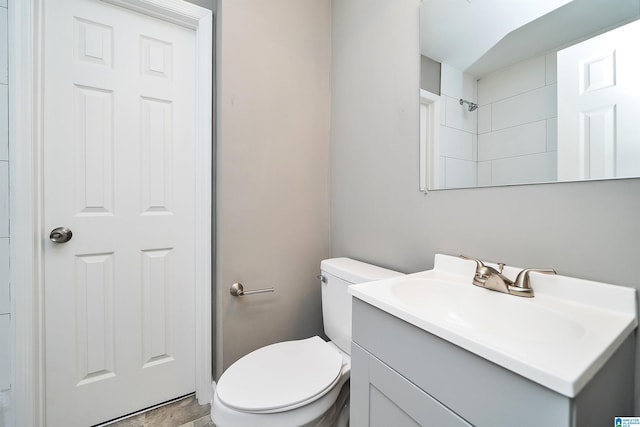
[(458, 130), (511, 138), (517, 123), (5, 306)]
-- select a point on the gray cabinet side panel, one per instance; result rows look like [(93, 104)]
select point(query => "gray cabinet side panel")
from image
[(478, 390), (359, 399), (610, 393)]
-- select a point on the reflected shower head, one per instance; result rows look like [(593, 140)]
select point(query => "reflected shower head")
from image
[(472, 105)]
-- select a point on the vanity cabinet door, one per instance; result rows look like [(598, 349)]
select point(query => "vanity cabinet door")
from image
[(380, 397)]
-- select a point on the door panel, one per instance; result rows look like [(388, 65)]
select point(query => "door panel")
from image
[(119, 161), (598, 118)]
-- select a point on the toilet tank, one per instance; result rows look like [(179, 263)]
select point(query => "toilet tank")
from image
[(337, 275)]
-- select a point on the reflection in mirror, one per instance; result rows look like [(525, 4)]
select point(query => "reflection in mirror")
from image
[(556, 81)]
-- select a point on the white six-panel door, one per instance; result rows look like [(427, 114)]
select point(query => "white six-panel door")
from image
[(598, 114), (119, 155)]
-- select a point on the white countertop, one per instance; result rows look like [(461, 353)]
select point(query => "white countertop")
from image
[(559, 338)]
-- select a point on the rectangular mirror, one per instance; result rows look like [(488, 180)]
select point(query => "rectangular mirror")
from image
[(528, 92)]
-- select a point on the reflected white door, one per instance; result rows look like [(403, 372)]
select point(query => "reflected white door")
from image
[(119, 134), (598, 114)]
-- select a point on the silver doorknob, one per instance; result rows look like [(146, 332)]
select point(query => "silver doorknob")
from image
[(60, 235)]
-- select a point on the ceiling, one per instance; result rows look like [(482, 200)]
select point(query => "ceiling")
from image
[(480, 36)]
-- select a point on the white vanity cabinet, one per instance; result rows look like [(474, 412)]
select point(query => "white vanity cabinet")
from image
[(402, 375)]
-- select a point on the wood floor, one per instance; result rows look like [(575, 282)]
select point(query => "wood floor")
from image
[(182, 413)]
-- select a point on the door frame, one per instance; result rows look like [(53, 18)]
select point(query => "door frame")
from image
[(27, 235)]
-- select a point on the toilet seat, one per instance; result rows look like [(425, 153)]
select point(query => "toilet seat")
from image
[(281, 376)]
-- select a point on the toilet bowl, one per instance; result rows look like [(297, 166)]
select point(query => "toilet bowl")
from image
[(292, 383), (303, 382)]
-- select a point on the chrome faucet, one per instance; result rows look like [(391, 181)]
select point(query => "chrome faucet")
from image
[(490, 278)]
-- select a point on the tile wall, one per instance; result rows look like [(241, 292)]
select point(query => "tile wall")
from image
[(512, 137), (517, 123), (458, 130), (5, 306)]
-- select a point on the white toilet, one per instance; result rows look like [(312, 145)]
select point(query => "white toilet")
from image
[(299, 383)]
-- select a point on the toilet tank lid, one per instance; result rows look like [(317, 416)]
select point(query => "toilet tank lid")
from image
[(354, 271)]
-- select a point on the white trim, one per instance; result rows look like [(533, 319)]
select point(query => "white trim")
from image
[(25, 131), (24, 193), (429, 140), (204, 205), (181, 13)]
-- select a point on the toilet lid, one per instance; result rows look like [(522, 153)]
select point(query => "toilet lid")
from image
[(280, 375)]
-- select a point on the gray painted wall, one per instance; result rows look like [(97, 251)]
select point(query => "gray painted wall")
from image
[(208, 4), (588, 229), (430, 75), (272, 201)]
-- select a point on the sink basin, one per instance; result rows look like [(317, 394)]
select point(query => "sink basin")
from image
[(489, 315), (559, 338)]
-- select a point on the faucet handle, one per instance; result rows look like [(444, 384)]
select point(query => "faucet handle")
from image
[(478, 262), (482, 271), (522, 280)]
